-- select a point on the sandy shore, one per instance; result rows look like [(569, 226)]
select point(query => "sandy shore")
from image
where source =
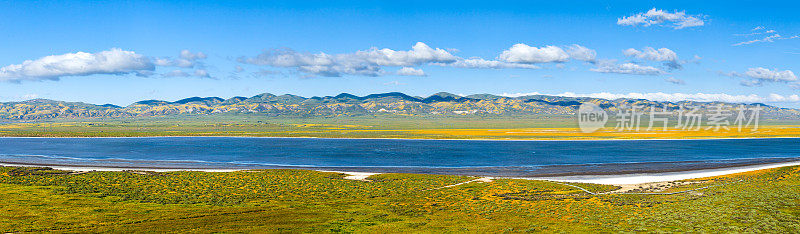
[(354, 175), (350, 175), (664, 176), (622, 179)]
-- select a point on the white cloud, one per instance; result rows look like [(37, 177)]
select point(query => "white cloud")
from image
[(522, 53), (372, 62), (264, 73), (525, 57), (779, 98), (581, 53), (751, 83), (289, 58), (186, 59), (166, 62), (367, 63), (29, 96), (188, 55), (410, 71), (180, 73), (770, 75), (394, 83), (669, 57), (772, 37), (321, 64), (114, 61), (679, 19), (420, 53), (610, 66), (675, 81), (649, 53), (676, 97), (756, 31), (488, 64), (176, 73), (757, 76), (201, 73)]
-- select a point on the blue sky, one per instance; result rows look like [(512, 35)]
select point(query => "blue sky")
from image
[(121, 52)]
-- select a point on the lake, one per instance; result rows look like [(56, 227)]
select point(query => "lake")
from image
[(476, 157)]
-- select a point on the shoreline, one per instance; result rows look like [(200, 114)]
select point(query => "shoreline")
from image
[(641, 178), (610, 179)]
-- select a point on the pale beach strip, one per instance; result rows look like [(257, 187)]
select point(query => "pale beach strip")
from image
[(638, 178), (664, 176)]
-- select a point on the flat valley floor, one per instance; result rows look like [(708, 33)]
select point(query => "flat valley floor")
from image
[(42, 199)]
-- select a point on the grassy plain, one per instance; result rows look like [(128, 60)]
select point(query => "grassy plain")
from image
[(544, 127), (36, 200)]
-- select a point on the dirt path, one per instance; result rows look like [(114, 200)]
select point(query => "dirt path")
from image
[(650, 187), (644, 187), (360, 176), (479, 180)]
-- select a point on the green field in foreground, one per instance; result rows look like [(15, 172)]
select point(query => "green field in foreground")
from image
[(36, 200), (541, 127)]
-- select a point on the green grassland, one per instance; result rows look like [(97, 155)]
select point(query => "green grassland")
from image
[(379, 126), (38, 200), (382, 126)]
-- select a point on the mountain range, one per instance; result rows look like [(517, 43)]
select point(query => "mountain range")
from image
[(345, 104)]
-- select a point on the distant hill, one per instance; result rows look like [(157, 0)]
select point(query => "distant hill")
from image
[(345, 105)]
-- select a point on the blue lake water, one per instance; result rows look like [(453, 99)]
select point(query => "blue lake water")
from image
[(519, 158)]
